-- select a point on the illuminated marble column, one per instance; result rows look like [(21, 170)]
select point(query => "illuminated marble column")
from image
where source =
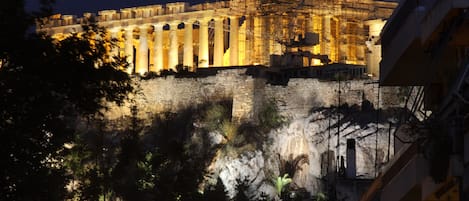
[(270, 28), (265, 40), (277, 23), (218, 48), (249, 41), (242, 44), (317, 27), (234, 40), (203, 43), (258, 40), (344, 53), (142, 57), (173, 46), (129, 48), (158, 48), (188, 45)]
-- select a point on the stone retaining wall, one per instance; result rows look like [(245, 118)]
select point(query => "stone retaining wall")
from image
[(248, 94)]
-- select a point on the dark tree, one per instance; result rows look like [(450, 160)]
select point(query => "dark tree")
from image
[(216, 192), (46, 86)]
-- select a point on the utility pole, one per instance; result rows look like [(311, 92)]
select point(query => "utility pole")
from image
[(338, 123)]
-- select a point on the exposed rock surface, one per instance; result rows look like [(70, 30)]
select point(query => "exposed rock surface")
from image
[(307, 135), (311, 107)]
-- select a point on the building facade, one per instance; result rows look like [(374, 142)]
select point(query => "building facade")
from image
[(238, 32), (426, 48)]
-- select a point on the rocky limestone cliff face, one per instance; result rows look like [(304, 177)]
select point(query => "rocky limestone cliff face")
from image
[(307, 136), (312, 129)]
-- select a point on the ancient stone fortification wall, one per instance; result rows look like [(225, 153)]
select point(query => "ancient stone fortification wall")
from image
[(249, 94), (301, 95)]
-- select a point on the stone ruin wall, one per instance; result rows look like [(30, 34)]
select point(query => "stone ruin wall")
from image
[(249, 94)]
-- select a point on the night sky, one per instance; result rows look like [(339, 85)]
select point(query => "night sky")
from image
[(78, 7)]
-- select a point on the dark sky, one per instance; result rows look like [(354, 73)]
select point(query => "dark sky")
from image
[(78, 7)]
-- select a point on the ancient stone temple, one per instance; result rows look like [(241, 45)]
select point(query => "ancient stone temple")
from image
[(240, 33)]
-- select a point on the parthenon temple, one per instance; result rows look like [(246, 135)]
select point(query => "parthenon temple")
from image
[(239, 32)]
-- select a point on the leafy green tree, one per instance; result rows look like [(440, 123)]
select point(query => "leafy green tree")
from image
[(45, 87)]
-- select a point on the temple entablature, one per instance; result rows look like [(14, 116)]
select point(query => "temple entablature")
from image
[(133, 13)]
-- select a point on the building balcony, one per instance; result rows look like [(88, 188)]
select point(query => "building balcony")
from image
[(417, 33), (401, 47)]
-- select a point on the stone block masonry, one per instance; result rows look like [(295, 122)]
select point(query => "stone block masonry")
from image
[(248, 93)]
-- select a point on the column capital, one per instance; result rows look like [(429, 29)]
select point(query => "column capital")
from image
[(189, 21), (144, 26), (217, 18), (204, 19), (159, 25), (174, 24)]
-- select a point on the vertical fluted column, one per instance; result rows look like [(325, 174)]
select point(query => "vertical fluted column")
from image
[(188, 45), (266, 40), (142, 59), (242, 44), (249, 42), (344, 48), (158, 49), (173, 46), (219, 43), (203, 43), (277, 23), (234, 40), (129, 49), (271, 33), (258, 40)]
